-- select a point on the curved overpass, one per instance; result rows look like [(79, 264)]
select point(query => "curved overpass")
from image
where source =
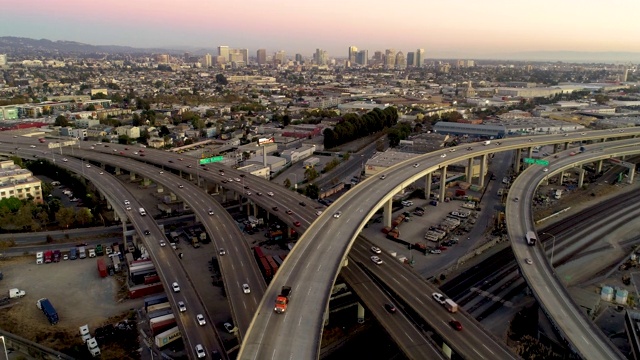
[(313, 265), (587, 340)]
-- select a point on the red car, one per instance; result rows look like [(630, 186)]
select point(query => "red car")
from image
[(442, 247), (456, 325), (572, 153), (289, 212), (296, 223)]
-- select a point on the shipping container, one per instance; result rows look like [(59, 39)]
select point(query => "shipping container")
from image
[(155, 299), (272, 264), (102, 268), (167, 337), (144, 290), (266, 269), (258, 252), (151, 279), (161, 306), (158, 313)]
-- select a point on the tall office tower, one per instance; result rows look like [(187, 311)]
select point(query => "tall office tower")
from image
[(224, 52), (378, 58), (3, 59), (353, 51), (320, 57), (235, 55), (419, 60), (245, 55), (624, 77), (162, 58), (469, 63), (363, 57), (401, 62), (262, 56), (207, 60), (279, 57), (410, 58), (389, 58), (299, 58)]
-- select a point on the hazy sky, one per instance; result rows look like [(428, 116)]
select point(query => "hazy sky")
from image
[(443, 28)]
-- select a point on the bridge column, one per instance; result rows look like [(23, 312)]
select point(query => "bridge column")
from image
[(516, 162), (560, 178), (146, 182), (326, 315), (632, 172), (255, 209), (360, 314), (159, 189), (443, 182), (599, 166), (132, 176), (173, 196), (581, 177), (248, 208), (388, 212), (223, 192), (427, 186), (529, 155), (470, 170), (566, 145), (235, 195), (483, 169)]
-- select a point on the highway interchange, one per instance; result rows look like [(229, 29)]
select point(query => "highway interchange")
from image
[(314, 263)]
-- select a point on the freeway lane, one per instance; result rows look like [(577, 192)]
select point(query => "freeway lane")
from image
[(588, 341), (165, 259), (409, 338), (237, 266), (471, 343)]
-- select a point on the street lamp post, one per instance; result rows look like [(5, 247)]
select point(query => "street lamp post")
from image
[(553, 246)]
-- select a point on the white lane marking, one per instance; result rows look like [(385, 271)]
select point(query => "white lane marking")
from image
[(273, 356), (408, 337), (319, 267)]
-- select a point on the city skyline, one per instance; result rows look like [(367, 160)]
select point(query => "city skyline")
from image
[(471, 29)]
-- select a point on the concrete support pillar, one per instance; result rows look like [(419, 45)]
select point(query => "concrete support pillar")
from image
[(566, 145), (632, 173), (118, 172), (427, 185), (483, 169), (255, 210), (132, 176), (173, 196), (599, 166), (346, 261), (326, 315), (388, 212), (146, 182), (287, 234), (190, 177), (236, 196), (470, 170), (446, 350), (159, 189), (443, 182), (360, 314), (115, 216), (223, 193), (560, 178), (124, 230), (580, 177), (248, 208), (516, 161)]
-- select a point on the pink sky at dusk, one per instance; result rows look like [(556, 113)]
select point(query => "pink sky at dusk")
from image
[(465, 27)]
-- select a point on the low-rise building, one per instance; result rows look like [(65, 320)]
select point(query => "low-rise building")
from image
[(295, 155), (19, 183)]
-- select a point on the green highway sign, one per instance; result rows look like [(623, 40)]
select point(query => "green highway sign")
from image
[(211, 160), (536, 161)]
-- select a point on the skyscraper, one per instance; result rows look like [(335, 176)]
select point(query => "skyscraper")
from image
[(363, 57), (207, 60), (353, 51), (299, 58), (419, 60), (3, 59), (262, 56), (224, 52), (410, 58), (279, 57), (320, 57), (389, 58), (401, 62), (245, 55)]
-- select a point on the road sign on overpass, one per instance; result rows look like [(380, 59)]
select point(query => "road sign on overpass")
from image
[(211, 160), (536, 161)]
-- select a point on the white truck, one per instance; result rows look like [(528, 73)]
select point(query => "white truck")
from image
[(84, 333), (557, 194), (39, 257), (16, 293), (142, 212), (92, 345), (487, 142), (451, 306)]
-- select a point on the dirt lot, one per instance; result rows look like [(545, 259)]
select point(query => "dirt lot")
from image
[(74, 288)]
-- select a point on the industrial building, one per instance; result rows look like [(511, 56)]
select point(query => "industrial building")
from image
[(19, 183)]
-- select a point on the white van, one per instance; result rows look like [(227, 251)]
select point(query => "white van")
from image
[(142, 212), (39, 256)]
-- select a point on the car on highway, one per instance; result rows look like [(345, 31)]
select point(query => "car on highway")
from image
[(181, 306), (246, 289), (289, 212), (189, 166), (126, 202), (161, 172), (175, 287), (376, 249), (566, 135), (583, 134), (390, 308), (515, 199), (128, 208), (545, 169), (248, 193), (228, 327), (147, 232), (382, 177), (224, 181), (530, 140), (337, 214), (438, 297), (270, 193), (201, 320), (302, 203), (416, 165), (528, 261), (211, 212), (572, 153), (435, 251), (456, 325), (318, 213), (237, 179), (469, 148), (222, 251), (101, 173), (621, 130), (180, 186), (88, 165), (443, 155), (296, 223), (452, 150), (162, 243), (200, 351), (376, 260), (246, 187), (275, 208), (64, 159)]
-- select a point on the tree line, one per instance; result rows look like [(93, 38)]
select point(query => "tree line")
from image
[(352, 126)]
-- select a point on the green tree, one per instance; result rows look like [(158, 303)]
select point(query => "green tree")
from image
[(84, 216), (287, 183), (124, 139), (61, 120), (65, 217), (311, 174), (221, 79), (312, 191), (91, 107), (12, 204), (286, 120)]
